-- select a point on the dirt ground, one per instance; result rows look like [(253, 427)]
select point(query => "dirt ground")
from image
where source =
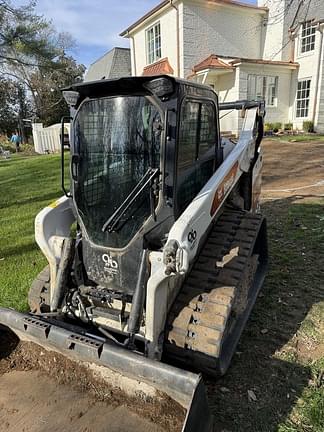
[(261, 387), (36, 385), (292, 168), (30, 402)]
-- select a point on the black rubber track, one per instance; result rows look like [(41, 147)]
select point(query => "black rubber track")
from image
[(209, 314)]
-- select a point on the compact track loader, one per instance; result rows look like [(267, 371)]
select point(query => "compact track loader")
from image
[(157, 250)]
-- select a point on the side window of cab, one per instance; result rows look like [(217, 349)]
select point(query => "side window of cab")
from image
[(197, 141)]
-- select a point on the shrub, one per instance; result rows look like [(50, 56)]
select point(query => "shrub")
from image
[(277, 126), (268, 127), (288, 126), (308, 126)]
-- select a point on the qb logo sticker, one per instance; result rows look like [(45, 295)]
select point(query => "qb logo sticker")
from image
[(111, 265), (192, 236)]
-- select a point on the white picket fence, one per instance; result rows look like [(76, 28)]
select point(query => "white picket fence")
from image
[(47, 140)]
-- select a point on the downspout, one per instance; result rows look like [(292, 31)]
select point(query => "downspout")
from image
[(133, 52), (292, 37), (320, 29), (178, 37)]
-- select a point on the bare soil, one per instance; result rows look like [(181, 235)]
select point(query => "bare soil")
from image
[(43, 384), (292, 168), (29, 401)]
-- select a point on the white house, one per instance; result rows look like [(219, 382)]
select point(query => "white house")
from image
[(273, 51)]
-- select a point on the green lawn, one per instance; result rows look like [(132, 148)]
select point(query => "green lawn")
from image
[(296, 276), (27, 185)]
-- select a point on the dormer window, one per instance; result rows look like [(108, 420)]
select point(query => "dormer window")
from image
[(307, 41), (153, 43)]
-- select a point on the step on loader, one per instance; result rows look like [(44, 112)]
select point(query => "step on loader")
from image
[(157, 250)]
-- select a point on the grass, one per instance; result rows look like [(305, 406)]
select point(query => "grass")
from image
[(27, 185), (284, 366), (297, 244)]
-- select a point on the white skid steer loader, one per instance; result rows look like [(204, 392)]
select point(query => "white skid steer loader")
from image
[(158, 250)]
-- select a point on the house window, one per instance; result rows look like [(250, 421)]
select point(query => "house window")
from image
[(153, 43), (307, 42), (263, 88), (303, 92)]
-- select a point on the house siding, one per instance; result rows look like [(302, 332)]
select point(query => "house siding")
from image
[(168, 23), (214, 29), (311, 67), (320, 104), (235, 87), (283, 16), (207, 28), (279, 46)]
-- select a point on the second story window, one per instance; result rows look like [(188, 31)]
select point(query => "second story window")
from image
[(307, 41), (153, 43)]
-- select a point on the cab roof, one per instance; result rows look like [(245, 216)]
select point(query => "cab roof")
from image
[(133, 85)]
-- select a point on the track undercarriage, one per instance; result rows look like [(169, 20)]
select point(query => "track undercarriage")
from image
[(216, 299)]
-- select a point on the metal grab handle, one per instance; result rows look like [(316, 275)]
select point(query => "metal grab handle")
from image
[(68, 194)]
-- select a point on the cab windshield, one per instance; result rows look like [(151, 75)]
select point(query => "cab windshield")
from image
[(117, 139)]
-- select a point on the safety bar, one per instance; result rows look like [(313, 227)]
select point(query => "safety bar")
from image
[(242, 104)]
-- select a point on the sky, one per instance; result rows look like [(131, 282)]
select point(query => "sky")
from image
[(94, 24)]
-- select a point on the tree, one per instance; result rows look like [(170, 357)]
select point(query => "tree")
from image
[(32, 53), (47, 85), (8, 119), (26, 39), (14, 107), (23, 108)]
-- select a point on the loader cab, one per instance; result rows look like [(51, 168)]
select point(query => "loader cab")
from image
[(142, 148)]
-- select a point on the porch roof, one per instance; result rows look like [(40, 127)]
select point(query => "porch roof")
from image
[(212, 62), (220, 64), (238, 60)]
